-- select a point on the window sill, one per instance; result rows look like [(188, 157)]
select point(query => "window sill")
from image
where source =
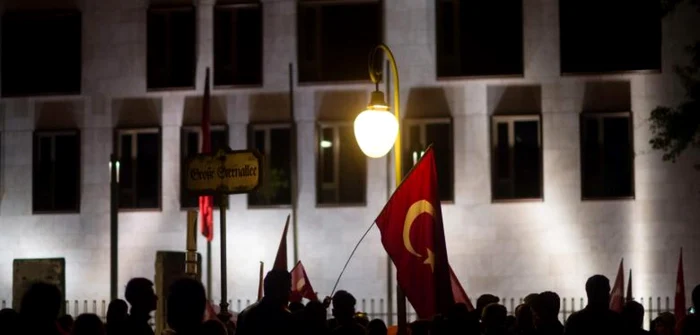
[(263, 207), (609, 73), (168, 89), (333, 83), (237, 87), (48, 96), (522, 200), (57, 212), (481, 77), (349, 205), (601, 199)]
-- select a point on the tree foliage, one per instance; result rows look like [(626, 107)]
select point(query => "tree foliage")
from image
[(677, 128)]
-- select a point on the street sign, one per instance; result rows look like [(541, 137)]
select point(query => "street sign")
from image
[(225, 172)]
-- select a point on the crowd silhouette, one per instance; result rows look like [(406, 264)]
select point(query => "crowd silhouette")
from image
[(273, 314)]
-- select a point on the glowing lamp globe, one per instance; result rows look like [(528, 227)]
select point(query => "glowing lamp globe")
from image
[(376, 128)]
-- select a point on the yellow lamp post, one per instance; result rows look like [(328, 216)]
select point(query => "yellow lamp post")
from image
[(376, 131)]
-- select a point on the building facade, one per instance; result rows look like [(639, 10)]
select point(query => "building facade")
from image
[(538, 118)]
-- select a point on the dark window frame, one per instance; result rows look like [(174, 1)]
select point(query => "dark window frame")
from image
[(318, 58), (195, 53), (511, 120), (319, 184), (267, 126), (55, 12), (117, 149), (438, 28), (233, 7), (422, 123), (184, 130), (615, 72), (600, 116), (38, 134)]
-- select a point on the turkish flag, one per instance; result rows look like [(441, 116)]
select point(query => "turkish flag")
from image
[(413, 236), (617, 299), (679, 300), (301, 286), (458, 292), (206, 202)]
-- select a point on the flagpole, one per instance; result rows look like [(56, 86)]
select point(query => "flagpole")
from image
[(389, 264), (293, 180), (224, 315)]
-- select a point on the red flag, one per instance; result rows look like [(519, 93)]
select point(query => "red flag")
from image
[(413, 236), (460, 296), (281, 259), (260, 281), (209, 312), (206, 202), (629, 287), (679, 308), (301, 286), (617, 299)]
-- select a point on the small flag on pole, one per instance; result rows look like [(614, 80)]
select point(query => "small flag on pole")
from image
[(301, 286), (629, 287), (458, 292), (617, 300), (679, 300), (281, 259)]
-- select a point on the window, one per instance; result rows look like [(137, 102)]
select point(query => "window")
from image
[(438, 132), (479, 38), (517, 158), (171, 47), (191, 144), (599, 36), (606, 156), (275, 143), (56, 182), (342, 167), (138, 151), (336, 37), (238, 44), (41, 53)]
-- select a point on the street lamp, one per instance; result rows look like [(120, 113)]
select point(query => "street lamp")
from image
[(376, 130)]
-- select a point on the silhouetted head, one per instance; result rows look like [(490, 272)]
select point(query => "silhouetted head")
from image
[(530, 298), (458, 313), (633, 315), (296, 307), (598, 291), (545, 307), (376, 327), (277, 286), (483, 301), (88, 324), (213, 327), (343, 306), (186, 303), (494, 316), (665, 323), (65, 322), (523, 317), (696, 296), (117, 311), (315, 312), (139, 293), (9, 318), (41, 302)]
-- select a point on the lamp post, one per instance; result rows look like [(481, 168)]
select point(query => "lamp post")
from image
[(376, 131)]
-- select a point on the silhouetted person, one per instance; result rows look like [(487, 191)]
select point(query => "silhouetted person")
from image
[(213, 327), (633, 318), (524, 323), (88, 324), (117, 317), (270, 314), (39, 309), (185, 306), (314, 320), (596, 318), (376, 327), (691, 323), (9, 321), (139, 293), (494, 319), (664, 324), (460, 321), (65, 323), (344, 313), (295, 307), (483, 301), (530, 298), (545, 311)]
